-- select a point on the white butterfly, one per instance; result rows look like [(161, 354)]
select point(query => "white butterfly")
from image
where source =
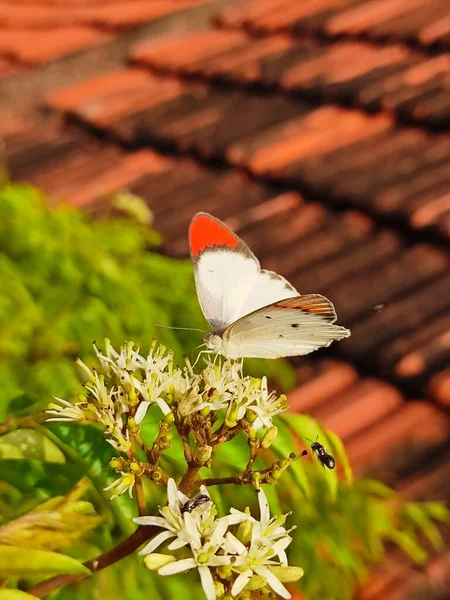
[(253, 312)]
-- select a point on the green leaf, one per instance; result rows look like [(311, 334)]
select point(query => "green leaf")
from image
[(35, 476), (417, 515), (21, 403), (14, 562), (15, 595), (283, 445), (409, 544), (29, 443), (339, 453)]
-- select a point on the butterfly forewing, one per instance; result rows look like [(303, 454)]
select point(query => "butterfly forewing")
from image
[(290, 327), (228, 276)]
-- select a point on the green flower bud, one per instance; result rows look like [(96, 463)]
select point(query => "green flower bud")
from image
[(205, 411), (169, 418), (116, 463), (244, 532), (135, 467), (224, 571), (256, 583), (250, 416), (155, 561), (132, 398), (269, 436), (252, 434), (287, 574), (219, 589)]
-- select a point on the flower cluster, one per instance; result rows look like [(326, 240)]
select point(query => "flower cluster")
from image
[(233, 553), (120, 392)]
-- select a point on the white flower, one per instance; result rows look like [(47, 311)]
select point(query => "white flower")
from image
[(65, 411), (188, 528), (266, 406), (267, 548), (172, 520), (204, 557), (125, 483)]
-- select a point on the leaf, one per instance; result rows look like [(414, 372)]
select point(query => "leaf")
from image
[(416, 513), (6, 594), (14, 562), (22, 403), (29, 443), (309, 429), (283, 445), (35, 476), (410, 545), (338, 450)]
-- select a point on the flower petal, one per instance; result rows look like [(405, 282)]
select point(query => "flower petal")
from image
[(141, 411), (155, 542), (207, 583), (264, 508), (273, 582), (178, 567), (240, 582)]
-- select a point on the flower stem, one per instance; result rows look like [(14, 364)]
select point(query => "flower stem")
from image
[(125, 548), (140, 497)]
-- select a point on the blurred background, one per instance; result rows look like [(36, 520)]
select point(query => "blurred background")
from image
[(319, 131)]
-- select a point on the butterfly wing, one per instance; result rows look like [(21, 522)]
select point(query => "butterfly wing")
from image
[(228, 276), (290, 327)]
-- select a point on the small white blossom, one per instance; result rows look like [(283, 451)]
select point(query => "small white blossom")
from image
[(266, 405), (125, 483), (267, 549), (65, 411)]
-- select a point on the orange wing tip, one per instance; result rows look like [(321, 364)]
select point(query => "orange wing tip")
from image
[(207, 232), (310, 303)]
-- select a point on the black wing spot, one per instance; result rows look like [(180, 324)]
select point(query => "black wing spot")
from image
[(295, 325), (267, 317)]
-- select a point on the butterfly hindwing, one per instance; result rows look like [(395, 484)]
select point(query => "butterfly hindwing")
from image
[(289, 327)]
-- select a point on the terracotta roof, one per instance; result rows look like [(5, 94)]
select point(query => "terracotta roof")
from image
[(34, 33), (328, 152), (422, 22)]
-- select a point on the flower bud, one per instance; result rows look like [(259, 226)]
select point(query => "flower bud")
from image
[(287, 574), (116, 463), (155, 561), (269, 436), (244, 532), (250, 416), (169, 418), (83, 371), (219, 589), (132, 398), (135, 467), (256, 583), (224, 571), (205, 411)]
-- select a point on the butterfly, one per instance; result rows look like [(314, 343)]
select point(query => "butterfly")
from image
[(253, 312)]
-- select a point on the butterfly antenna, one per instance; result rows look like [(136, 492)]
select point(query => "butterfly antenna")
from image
[(182, 328)]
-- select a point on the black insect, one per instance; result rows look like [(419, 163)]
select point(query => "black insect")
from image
[(197, 500), (323, 457)]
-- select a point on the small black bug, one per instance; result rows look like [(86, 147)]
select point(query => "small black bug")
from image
[(324, 458), (197, 500)]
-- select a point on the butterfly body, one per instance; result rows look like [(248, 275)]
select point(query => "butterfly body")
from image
[(253, 312)]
